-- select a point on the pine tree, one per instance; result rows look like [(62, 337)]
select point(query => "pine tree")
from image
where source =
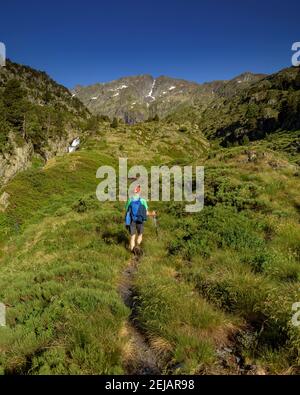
[(14, 103), (245, 140), (114, 123)]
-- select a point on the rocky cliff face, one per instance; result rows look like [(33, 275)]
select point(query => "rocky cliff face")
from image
[(20, 157), (135, 98), (141, 97), (13, 162), (59, 146), (37, 116)]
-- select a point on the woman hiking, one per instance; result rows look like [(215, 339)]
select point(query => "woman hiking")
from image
[(136, 214)]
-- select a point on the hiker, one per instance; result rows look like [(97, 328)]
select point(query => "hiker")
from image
[(136, 215)]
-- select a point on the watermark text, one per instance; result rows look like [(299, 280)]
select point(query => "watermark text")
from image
[(296, 55), (2, 54), (159, 182), (2, 314)]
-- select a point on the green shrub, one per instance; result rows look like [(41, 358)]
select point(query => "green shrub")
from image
[(215, 227)]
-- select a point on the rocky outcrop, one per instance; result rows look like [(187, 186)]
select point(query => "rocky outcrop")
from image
[(58, 146), (37, 117), (4, 201), (13, 162), (19, 158)]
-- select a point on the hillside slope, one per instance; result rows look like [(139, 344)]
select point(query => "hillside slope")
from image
[(264, 108), (38, 118), (213, 291)]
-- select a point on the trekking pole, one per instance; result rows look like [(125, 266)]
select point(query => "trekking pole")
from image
[(155, 223)]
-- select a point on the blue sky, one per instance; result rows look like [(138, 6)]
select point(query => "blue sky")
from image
[(83, 42)]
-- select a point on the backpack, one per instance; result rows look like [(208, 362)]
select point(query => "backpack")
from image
[(136, 212)]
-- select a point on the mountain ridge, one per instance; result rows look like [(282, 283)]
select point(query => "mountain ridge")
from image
[(136, 98)]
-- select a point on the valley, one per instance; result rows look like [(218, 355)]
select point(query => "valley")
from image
[(213, 291)]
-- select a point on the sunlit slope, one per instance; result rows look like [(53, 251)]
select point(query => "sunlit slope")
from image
[(241, 255), (226, 277), (62, 256)]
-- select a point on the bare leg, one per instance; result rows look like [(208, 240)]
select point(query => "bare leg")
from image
[(132, 242), (139, 239)]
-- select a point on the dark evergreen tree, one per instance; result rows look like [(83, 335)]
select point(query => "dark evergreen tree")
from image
[(14, 103), (114, 123)]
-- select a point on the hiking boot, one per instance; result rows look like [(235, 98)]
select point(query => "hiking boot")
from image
[(139, 251)]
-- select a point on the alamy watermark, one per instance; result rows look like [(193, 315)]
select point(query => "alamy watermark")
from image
[(2, 314), (2, 54), (296, 316), (296, 306), (155, 184), (296, 55)]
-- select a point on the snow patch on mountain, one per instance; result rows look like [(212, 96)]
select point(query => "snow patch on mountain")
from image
[(151, 90), (118, 88)]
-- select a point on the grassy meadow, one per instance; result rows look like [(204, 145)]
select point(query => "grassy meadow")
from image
[(223, 278)]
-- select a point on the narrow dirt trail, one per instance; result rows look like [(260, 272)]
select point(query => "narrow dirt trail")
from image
[(139, 358)]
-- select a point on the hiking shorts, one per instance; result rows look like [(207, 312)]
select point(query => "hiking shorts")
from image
[(136, 227)]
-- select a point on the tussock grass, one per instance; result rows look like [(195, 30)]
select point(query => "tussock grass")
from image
[(182, 326), (232, 268), (64, 312), (241, 253)]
